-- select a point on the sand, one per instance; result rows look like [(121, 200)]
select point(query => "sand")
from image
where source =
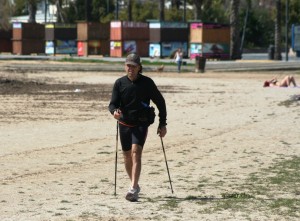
[(57, 147)]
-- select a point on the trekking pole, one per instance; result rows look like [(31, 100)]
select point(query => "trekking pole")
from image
[(116, 159), (162, 144)]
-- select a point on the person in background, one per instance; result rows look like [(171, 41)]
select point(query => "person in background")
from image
[(178, 59), (285, 82), (131, 96)]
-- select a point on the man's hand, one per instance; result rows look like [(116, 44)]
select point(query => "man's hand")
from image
[(162, 131), (117, 114)]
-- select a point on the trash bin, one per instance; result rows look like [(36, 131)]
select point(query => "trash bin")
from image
[(200, 64), (271, 52)]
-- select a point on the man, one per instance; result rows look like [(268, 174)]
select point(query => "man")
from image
[(129, 104)]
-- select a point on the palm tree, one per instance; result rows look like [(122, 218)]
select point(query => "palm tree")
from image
[(235, 52), (60, 14), (32, 7), (162, 10), (198, 9), (129, 10), (277, 54)]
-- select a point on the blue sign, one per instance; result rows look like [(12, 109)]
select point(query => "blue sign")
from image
[(154, 50), (296, 37)]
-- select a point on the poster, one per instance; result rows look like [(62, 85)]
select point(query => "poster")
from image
[(129, 47), (49, 48), (296, 38), (115, 45), (94, 47), (154, 50), (209, 50), (169, 48), (66, 47), (195, 49), (80, 49)]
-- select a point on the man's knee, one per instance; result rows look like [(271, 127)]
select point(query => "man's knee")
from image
[(136, 150)]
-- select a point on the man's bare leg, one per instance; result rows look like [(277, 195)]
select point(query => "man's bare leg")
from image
[(133, 164), (136, 154), (128, 163)]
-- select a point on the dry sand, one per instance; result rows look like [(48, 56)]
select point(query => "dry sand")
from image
[(57, 147)]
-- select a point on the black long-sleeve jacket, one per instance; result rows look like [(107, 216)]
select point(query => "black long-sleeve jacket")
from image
[(132, 96)]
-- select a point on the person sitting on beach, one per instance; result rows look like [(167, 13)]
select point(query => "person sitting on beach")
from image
[(285, 82)]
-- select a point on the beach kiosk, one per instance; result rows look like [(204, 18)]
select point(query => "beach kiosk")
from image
[(93, 38), (28, 38), (166, 37), (209, 40), (60, 39), (128, 37)]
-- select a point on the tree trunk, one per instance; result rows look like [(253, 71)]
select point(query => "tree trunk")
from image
[(277, 54), (162, 10), (235, 52), (129, 10), (5, 15), (198, 9), (32, 11), (175, 4), (59, 12)]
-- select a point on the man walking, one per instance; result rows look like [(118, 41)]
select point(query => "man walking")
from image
[(130, 100)]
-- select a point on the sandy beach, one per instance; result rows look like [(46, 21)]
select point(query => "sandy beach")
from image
[(225, 134)]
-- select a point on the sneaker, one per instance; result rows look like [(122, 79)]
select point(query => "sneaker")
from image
[(138, 189), (133, 195)]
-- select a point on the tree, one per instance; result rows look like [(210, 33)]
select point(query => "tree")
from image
[(129, 10), (277, 54), (5, 14), (198, 9), (141, 11), (32, 7), (176, 4), (235, 52), (162, 10), (61, 17)]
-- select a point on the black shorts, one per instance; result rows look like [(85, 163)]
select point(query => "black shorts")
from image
[(132, 135)]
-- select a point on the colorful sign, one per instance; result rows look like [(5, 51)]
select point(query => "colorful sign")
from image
[(296, 37), (209, 50), (115, 24), (49, 49), (115, 45), (168, 25), (66, 47), (154, 50), (207, 25), (129, 47), (169, 48), (17, 25), (94, 47), (80, 49), (195, 49)]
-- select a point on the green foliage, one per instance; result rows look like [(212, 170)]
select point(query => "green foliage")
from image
[(102, 10), (20, 7), (141, 12), (215, 12), (259, 29), (294, 12)]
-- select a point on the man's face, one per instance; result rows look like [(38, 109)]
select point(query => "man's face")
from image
[(132, 70)]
